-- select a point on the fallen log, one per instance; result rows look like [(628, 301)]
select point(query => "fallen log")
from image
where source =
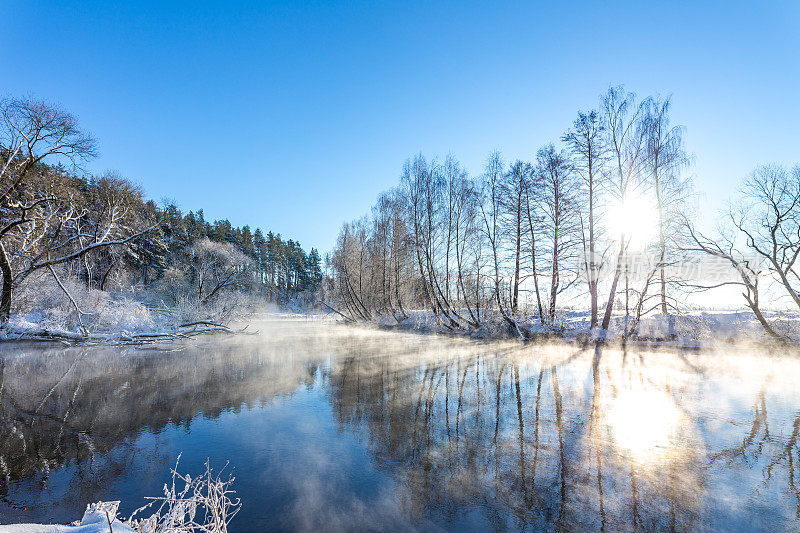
[(182, 332)]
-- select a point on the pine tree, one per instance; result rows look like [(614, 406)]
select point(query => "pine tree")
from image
[(314, 269)]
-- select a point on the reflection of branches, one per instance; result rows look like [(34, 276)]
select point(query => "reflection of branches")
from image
[(498, 384), (454, 449), (594, 433), (83, 407), (759, 437), (57, 383), (787, 454), (562, 458), (521, 435), (760, 423), (536, 429)]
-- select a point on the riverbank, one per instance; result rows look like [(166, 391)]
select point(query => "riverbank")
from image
[(695, 329)]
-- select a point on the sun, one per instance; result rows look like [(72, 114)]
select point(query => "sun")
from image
[(636, 217)]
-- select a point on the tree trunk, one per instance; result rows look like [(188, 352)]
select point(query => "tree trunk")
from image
[(627, 293), (8, 281), (533, 258), (592, 262), (105, 277), (555, 274), (752, 303), (613, 294), (662, 246), (554, 284), (515, 297)]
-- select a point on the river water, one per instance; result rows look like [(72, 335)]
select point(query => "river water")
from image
[(330, 427)]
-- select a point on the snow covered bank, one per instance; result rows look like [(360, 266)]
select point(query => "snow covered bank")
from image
[(61, 308), (205, 503), (133, 316), (698, 328), (99, 517)]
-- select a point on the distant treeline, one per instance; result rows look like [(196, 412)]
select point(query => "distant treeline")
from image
[(281, 265)]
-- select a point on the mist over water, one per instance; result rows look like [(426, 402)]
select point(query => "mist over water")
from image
[(341, 428)]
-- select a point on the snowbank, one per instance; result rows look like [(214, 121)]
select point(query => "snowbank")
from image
[(697, 328), (96, 519)]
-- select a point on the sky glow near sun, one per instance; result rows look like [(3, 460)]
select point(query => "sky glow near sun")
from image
[(635, 217)]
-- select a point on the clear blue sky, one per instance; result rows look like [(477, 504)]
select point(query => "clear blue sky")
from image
[(293, 116)]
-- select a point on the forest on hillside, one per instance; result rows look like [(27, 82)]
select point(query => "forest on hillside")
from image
[(86, 252), (602, 223)]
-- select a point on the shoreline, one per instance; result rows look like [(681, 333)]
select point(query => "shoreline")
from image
[(728, 329)]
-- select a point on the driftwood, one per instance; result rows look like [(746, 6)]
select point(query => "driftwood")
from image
[(183, 331)]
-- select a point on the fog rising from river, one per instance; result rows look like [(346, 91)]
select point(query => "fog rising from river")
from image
[(336, 427)]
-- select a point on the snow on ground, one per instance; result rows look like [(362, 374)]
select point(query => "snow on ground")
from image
[(696, 328), (97, 519)]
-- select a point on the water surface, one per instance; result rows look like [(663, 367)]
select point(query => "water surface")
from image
[(337, 428)]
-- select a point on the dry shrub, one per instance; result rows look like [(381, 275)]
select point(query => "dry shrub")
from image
[(206, 503)]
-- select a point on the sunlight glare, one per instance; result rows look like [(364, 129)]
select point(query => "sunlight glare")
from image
[(643, 422)]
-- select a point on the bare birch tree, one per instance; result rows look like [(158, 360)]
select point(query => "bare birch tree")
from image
[(492, 212), (556, 197), (514, 190), (586, 143), (625, 138), (665, 159)]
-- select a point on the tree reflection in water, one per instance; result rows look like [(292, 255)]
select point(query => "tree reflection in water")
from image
[(470, 434)]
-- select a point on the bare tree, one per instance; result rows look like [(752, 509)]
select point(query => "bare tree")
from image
[(492, 213), (40, 225), (625, 136), (556, 197), (349, 270), (665, 159), (761, 240), (467, 235), (535, 225), (217, 267), (586, 143), (390, 243), (514, 190), (747, 270), (35, 130), (769, 219), (429, 201)]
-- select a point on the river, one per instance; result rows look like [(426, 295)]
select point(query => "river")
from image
[(330, 427)]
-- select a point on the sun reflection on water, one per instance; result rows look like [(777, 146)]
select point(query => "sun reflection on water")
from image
[(644, 422)]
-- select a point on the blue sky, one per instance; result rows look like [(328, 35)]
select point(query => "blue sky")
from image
[(293, 116)]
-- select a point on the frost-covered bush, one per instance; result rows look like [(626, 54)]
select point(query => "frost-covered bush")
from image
[(213, 286), (210, 287), (228, 306), (71, 306), (203, 503)]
